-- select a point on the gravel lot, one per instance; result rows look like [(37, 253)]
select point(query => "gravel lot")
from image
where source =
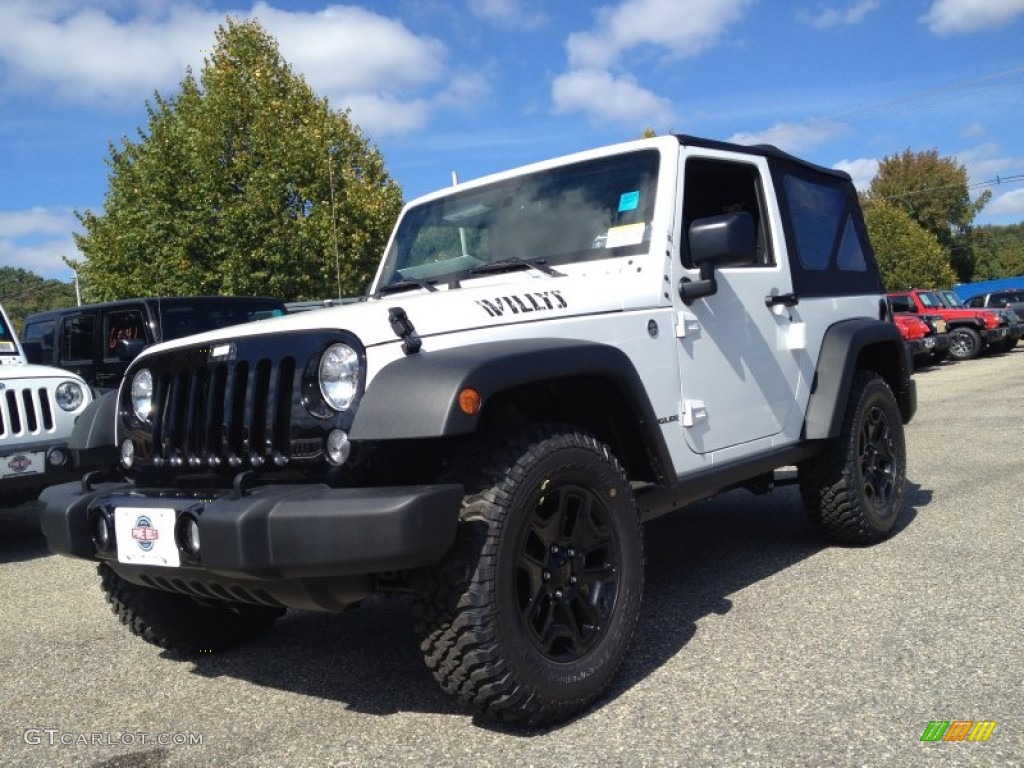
[(758, 646)]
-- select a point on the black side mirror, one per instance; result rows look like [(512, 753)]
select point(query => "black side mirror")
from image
[(128, 349), (727, 240)]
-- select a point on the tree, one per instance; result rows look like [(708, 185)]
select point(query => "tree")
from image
[(908, 255), (23, 292), (244, 182), (934, 191), (1000, 251)]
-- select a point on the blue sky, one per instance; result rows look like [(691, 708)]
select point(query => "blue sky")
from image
[(478, 86)]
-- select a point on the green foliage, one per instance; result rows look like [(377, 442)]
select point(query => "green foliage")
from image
[(23, 292), (934, 192), (908, 255), (1000, 251), (244, 183)]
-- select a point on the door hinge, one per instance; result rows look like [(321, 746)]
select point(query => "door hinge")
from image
[(693, 411), (687, 324)]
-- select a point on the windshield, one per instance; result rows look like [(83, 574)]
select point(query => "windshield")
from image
[(8, 346), (930, 300), (951, 299), (588, 210)]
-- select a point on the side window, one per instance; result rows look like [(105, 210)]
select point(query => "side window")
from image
[(76, 338), (901, 304), (829, 251), (975, 301), (43, 334), (715, 187), (819, 214), (121, 324)]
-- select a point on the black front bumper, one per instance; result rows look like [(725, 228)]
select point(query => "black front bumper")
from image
[(271, 533)]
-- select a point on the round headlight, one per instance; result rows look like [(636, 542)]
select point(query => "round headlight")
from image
[(339, 376), (69, 395), (142, 394)]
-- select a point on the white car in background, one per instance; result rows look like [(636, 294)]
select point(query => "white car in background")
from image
[(38, 408)]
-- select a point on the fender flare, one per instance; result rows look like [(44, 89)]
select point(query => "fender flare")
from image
[(846, 344), (417, 396), (95, 426)]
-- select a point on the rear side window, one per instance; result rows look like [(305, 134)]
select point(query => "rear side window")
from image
[(823, 227), (830, 254)]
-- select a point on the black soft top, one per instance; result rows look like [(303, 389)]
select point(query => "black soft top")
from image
[(761, 150)]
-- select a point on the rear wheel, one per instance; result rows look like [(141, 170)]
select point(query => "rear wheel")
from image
[(532, 613), (964, 343), (182, 623), (854, 489)]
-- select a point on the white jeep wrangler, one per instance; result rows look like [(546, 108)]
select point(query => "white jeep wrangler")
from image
[(546, 359), (38, 408)]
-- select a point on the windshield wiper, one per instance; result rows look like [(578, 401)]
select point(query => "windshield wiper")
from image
[(407, 285), (513, 263)]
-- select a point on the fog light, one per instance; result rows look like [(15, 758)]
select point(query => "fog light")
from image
[(338, 448), (102, 531), (187, 535), (127, 454), (57, 458)]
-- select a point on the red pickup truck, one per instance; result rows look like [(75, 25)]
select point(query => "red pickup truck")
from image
[(971, 331)]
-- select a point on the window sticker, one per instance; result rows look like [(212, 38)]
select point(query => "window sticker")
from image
[(628, 201), (627, 234)]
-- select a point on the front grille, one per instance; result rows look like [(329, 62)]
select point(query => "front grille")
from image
[(247, 409), (25, 411), (230, 410)]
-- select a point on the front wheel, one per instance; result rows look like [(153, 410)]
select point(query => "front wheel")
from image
[(853, 491), (964, 343), (532, 613)]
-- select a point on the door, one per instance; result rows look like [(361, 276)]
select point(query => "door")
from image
[(736, 348)]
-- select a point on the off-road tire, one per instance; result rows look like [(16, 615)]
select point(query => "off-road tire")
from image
[(853, 490), (964, 343), (182, 623), (532, 612)]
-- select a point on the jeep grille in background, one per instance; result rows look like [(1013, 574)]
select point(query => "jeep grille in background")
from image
[(25, 411)]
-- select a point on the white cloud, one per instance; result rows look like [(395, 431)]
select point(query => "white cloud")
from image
[(986, 161), (862, 170), (795, 138), (1006, 204), (342, 49), (973, 131), (606, 97), (355, 57), (86, 55), (596, 83), (950, 17), (508, 13), (681, 29), (831, 17), (36, 239)]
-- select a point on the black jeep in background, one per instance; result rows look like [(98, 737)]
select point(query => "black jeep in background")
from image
[(97, 341)]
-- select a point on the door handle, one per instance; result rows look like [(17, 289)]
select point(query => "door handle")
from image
[(787, 299)]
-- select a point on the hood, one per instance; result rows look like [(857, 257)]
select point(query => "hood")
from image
[(31, 371), (479, 303)]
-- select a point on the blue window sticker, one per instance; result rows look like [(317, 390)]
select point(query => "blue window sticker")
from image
[(628, 201)]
